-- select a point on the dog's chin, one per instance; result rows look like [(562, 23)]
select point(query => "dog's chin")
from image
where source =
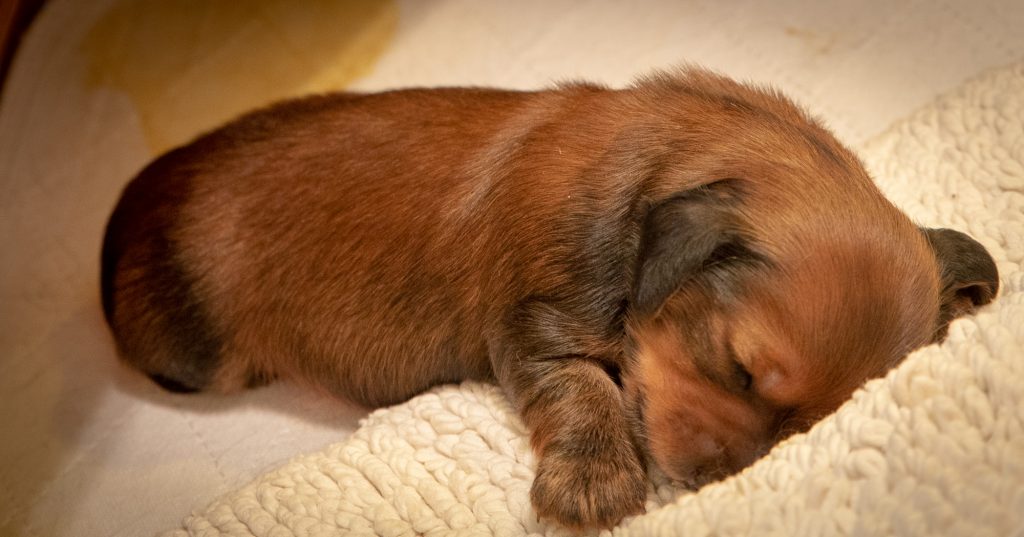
[(693, 476), (695, 479)]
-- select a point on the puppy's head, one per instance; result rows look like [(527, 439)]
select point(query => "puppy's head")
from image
[(762, 301)]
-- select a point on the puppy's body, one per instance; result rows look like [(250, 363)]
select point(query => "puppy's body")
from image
[(312, 264), (704, 240)]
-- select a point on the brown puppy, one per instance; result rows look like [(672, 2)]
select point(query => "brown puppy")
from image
[(688, 268)]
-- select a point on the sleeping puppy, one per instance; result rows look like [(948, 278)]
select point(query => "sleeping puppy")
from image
[(683, 271)]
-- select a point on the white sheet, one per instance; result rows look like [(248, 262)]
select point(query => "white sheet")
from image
[(92, 449)]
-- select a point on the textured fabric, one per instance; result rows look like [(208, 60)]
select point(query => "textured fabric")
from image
[(934, 448)]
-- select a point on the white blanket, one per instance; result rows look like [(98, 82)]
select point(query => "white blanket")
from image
[(934, 448)]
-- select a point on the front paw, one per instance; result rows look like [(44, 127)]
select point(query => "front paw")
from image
[(585, 489)]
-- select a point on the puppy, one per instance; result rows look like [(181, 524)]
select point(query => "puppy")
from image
[(684, 271)]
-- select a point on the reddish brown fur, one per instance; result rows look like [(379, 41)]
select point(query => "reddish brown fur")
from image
[(619, 261)]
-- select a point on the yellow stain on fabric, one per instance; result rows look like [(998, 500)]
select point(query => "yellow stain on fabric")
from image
[(190, 65)]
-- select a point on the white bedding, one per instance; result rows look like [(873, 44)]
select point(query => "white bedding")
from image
[(92, 449)]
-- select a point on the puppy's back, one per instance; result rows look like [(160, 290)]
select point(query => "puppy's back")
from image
[(301, 239)]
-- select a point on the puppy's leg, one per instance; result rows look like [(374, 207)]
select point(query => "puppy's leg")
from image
[(590, 472)]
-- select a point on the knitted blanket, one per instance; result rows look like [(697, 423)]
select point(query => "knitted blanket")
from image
[(934, 448)]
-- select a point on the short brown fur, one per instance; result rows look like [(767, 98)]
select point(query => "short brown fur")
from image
[(689, 268)]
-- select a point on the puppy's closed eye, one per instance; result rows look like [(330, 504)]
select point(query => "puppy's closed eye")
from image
[(742, 377), (731, 373)]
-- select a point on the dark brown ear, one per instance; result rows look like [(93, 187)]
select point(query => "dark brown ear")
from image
[(969, 275), (682, 237)]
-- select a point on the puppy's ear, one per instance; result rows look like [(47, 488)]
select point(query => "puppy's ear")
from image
[(681, 237), (969, 277)]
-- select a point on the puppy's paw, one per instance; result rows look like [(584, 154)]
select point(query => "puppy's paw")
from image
[(588, 490)]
